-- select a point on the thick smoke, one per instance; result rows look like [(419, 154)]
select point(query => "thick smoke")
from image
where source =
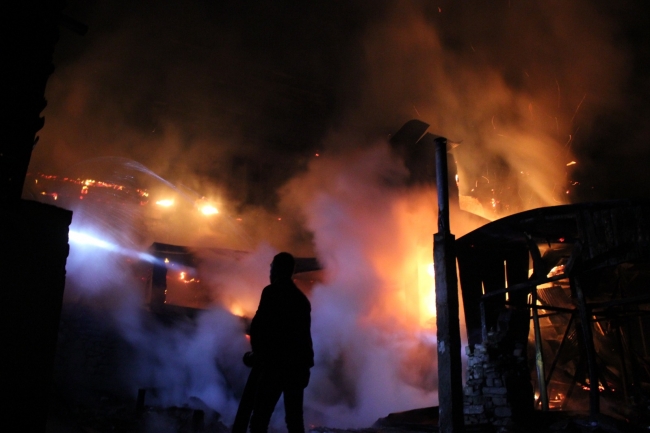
[(232, 101), (372, 357), (372, 324), (517, 84)]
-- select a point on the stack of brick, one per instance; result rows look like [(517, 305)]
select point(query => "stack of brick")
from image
[(486, 397)]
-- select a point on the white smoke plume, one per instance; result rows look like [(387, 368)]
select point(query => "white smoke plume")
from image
[(373, 335), (375, 349)]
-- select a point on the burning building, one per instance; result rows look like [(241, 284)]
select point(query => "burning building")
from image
[(173, 278), (373, 300), (485, 73), (566, 287)]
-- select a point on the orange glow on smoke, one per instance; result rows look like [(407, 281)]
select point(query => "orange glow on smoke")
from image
[(404, 265), (209, 210), (237, 310), (428, 295)]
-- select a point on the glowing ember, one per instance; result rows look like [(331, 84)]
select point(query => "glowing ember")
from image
[(183, 277), (556, 270), (54, 195), (556, 401), (600, 388), (88, 184)]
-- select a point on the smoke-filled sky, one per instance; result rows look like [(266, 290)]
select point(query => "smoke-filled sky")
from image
[(241, 96)]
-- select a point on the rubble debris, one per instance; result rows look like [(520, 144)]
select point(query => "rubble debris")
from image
[(106, 413)]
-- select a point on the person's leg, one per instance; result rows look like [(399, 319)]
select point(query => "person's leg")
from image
[(246, 403), (293, 401), (268, 393)]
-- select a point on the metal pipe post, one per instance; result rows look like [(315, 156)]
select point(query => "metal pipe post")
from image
[(450, 387)]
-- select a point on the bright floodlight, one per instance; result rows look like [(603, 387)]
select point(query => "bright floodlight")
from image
[(165, 203), (209, 210), (85, 239)]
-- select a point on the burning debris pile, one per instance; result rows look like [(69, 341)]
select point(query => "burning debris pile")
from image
[(52, 186)]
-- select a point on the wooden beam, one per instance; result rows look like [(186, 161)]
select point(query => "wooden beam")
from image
[(588, 340), (539, 356)]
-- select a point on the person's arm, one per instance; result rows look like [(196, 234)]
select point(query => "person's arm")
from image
[(259, 324)]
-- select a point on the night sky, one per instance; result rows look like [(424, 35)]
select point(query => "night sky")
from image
[(243, 95)]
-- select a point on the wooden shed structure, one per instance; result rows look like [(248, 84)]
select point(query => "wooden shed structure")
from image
[(575, 281)]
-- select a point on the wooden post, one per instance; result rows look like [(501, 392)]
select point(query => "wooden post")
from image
[(588, 340), (559, 350), (483, 322), (622, 356), (539, 355), (450, 387)]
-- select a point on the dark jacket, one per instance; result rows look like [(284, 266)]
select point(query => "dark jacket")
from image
[(280, 331)]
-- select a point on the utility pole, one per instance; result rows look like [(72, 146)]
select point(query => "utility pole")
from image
[(450, 388)]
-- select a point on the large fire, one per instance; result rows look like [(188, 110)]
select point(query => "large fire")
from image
[(282, 128), (373, 296), (411, 277)]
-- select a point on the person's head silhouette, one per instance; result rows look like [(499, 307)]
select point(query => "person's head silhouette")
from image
[(282, 267)]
